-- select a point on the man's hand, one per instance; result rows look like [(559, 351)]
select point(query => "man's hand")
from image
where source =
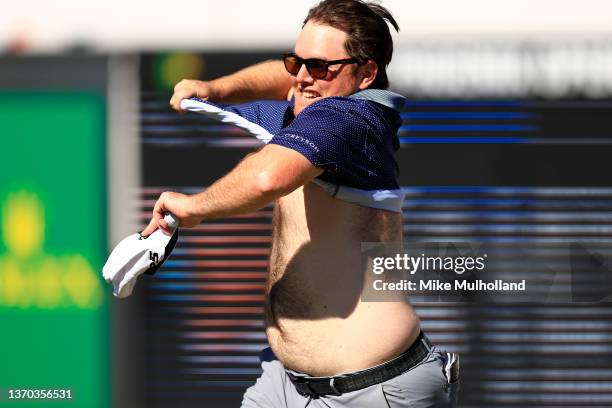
[(180, 205), (187, 88)]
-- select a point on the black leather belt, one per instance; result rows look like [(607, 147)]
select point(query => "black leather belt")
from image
[(319, 386)]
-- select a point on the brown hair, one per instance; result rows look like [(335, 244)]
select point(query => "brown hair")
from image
[(365, 23)]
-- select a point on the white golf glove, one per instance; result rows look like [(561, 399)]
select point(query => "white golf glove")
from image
[(136, 255)]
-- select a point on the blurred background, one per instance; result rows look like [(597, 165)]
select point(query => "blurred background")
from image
[(507, 139)]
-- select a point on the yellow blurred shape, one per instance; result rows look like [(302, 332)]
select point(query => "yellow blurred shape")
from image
[(29, 276), (23, 223), (178, 66), (81, 282), (11, 282), (47, 284)]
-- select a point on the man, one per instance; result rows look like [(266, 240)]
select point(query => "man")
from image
[(326, 168)]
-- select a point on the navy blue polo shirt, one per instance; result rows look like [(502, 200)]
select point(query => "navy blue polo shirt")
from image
[(353, 140)]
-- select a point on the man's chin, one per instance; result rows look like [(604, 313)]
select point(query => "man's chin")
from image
[(302, 103)]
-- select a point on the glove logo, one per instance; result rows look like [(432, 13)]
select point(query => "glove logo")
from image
[(154, 258)]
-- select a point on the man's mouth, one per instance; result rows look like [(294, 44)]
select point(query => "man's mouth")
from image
[(310, 94)]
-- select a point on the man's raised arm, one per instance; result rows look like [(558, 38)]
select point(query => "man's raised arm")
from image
[(266, 80)]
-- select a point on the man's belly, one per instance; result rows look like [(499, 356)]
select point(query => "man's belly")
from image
[(316, 323), (374, 333)]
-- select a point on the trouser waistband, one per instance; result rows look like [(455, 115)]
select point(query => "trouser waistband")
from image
[(319, 386)]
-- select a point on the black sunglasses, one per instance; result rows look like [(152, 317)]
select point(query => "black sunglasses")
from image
[(316, 67)]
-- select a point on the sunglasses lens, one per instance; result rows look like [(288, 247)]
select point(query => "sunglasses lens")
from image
[(292, 64), (318, 69)]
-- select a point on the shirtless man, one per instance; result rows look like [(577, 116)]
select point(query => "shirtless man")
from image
[(315, 322)]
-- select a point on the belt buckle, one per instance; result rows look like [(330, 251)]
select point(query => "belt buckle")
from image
[(302, 385), (304, 388), (333, 387)]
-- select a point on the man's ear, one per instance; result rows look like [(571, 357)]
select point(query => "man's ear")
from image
[(368, 72)]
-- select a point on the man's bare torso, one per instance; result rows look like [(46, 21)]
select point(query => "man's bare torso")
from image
[(316, 323)]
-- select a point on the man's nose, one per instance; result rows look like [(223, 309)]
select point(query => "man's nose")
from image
[(303, 75)]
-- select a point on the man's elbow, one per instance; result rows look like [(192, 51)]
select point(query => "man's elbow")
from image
[(273, 185)]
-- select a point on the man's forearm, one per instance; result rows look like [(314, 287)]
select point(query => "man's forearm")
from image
[(235, 193), (266, 80), (255, 182)]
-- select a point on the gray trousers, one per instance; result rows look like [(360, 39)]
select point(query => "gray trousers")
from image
[(423, 386)]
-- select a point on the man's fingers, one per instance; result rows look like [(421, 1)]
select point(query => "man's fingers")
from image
[(187, 88), (150, 228), (163, 225), (177, 97), (175, 102), (158, 214), (159, 210)]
